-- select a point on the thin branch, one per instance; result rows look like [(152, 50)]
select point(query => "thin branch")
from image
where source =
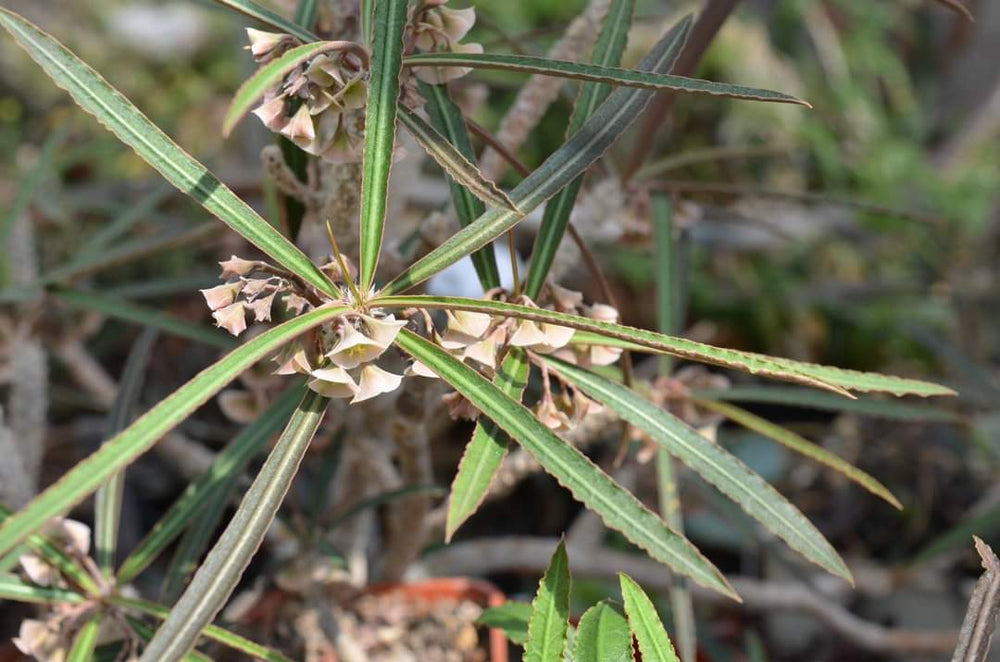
[(981, 616)]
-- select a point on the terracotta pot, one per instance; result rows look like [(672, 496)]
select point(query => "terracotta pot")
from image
[(453, 589)]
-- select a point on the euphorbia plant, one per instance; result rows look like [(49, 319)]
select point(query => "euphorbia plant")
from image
[(341, 101)]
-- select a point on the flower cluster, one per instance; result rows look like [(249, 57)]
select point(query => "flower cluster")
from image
[(318, 105), (436, 28), (251, 288)]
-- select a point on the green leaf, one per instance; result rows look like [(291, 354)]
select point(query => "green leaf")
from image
[(366, 11), (108, 502), (272, 74), (985, 524), (213, 632), (196, 539), (218, 576), (654, 644), (130, 312), (605, 333), (86, 640), (597, 74), (447, 118), (274, 20), (512, 617), (305, 13), (453, 162), (214, 485), (83, 479), (713, 463), (380, 131), (617, 507), (608, 53), (55, 555), (562, 167), (383, 498), (92, 93), (792, 396), (603, 636), (800, 445), (15, 588), (487, 449), (550, 612)]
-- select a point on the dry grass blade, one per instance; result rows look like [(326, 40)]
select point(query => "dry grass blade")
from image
[(981, 616)]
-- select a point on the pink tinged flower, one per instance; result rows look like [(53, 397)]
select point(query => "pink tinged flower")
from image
[(418, 369), (551, 416), (221, 296), (319, 102), (41, 640), (262, 43), (38, 571), (333, 383), (272, 113), (441, 75), (464, 328), (375, 381), (602, 355), (556, 337), (291, 360), (324, 71), (460, 407), (565, 299), (301, 131), (528, 334), (238, 406), (296, 304), (383, 330), (262, 308), (237, 267), (484, 351), (602, 312), (232, 318), (456, 23), (354, 348)]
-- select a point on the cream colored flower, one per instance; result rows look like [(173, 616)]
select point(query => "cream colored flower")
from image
[(464, 328), (333, 382), (418, 369), (292, 359), (441, 75), (528, 334), (232, 318), (566, 300), (441, 26), (375, 381), (239, 406), (42, 640), (556, 337), (602, 312), (272, 113), (266, 46), (603, 355), (354, 348), (236, 267), (223, 295), (261, 307), (552, 416), (301, 131), (383, 330)]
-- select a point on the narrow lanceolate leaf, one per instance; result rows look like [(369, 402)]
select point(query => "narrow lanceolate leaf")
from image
[(617, 507), (607, 53), (83, 479), (654, 644), (550, 612), (214, 632), (835, 379), (447, 118), (487, 449), (218, 576), (792, 396), (380, 131), (454, 162), (562, 167), (305, 13), (272, 74), (108, 502), (800, 445), (15, 588), (210, 486), (92, 93), (603, 636), (86, 640), (711, 462), (268, 17), (597, 74)]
